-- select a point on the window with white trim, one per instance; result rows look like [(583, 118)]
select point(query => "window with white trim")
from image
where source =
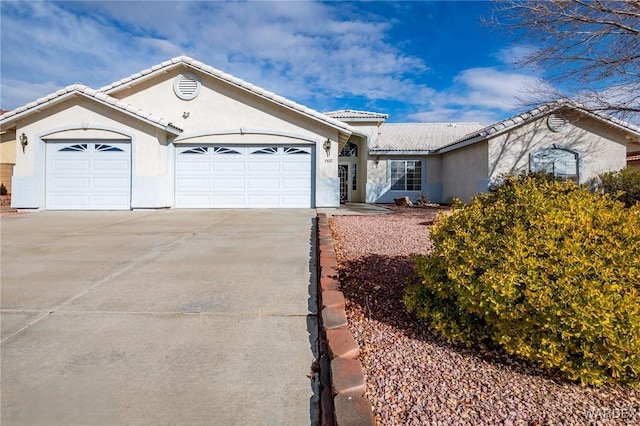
[(103, 147), (561, 163), (224, 150), (354, 177), (268, 150), (349, 150), (406, 175), (77, 147)]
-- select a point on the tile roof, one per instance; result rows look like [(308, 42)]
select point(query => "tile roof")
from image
[(228, 78), (81, 89), (633, 158), (533, 114), (354, 115), (420, 137)]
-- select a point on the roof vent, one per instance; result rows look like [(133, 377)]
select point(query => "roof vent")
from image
[(557, 123), (186, 86)]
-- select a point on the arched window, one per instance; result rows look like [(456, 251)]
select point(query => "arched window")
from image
[(349, 150), (561, 163)]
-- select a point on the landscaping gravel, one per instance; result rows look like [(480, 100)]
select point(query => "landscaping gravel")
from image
[(414, 377)]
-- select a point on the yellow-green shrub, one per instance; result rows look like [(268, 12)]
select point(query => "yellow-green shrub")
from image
[(624, 185), (547, 270)]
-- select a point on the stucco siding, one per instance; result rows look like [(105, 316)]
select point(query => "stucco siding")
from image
[(433, 178), (218, 106), (599, 148), (224, 114), (464, 172), (83, 119), (7, 158), (378, 187), (8, 147)]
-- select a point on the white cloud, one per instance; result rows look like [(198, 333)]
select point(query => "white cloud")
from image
[(456, 115), (303, 50), (323, 55), (483, 95), (17, 89), (492, 88)]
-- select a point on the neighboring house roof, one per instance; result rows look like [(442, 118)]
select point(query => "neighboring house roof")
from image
[(354, 115), (633, 157), (95, 95), (532, 115), (419, 137), (184, 60)]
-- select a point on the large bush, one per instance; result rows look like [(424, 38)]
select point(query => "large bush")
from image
[(547, 270), (623, 185)]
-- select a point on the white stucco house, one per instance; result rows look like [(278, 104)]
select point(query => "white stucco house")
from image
[(182, 134)]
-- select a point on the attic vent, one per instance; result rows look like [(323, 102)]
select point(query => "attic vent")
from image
[(186, 86), (557, 123)]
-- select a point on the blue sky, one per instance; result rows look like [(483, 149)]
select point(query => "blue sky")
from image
[(416, 61)]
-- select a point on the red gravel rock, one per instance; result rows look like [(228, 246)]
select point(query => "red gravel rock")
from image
[(415, 378)]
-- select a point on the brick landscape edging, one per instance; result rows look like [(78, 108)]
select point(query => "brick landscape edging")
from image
[(342, 400)]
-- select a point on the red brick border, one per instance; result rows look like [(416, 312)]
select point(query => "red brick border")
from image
[(347, 384)]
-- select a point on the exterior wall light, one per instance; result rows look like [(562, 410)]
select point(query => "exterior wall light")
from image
[(24, 141), (327, 146)]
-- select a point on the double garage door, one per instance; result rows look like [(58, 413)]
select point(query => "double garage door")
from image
[(96, 175), (215, 176)]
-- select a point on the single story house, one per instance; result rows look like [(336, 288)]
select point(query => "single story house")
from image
[(183, 134)]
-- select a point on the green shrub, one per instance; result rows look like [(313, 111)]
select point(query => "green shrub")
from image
[(547, 270), (623, 185)]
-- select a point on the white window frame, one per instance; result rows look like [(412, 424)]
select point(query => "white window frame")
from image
[(406, 170), (553, 166)]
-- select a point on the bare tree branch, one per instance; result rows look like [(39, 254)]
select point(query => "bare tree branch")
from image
[(589, 48)]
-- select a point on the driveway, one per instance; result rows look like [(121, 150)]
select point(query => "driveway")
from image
[(158, 317)]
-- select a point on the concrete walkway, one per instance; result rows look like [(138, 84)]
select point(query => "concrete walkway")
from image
[(355, 209), (163, 317)]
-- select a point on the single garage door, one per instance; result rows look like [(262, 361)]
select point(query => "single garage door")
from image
[(212, 176), (88, 176)]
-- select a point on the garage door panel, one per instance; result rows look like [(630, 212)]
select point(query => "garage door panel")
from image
[(261, 167), (79, 202), (107, 200), (192, 200), (300, 200), (293, 183), (193, 168), (226, 184), (222, 166), (110, 166), (68, 166), (63, 183), (253, 176), (302, 167), (229, 201), (267, 200), (88, 176), (110, 184), (192, 183), (257, 183)]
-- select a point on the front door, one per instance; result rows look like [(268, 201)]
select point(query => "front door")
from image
[(343, 173)]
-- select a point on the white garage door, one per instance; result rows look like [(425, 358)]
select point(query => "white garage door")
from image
[(88, 176), (210, 176)]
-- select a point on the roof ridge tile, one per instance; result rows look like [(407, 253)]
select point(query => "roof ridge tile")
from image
[(98, 96)]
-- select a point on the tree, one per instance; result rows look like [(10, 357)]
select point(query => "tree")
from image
[(589, 48)]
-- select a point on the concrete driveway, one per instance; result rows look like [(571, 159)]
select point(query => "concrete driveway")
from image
[(158, 317)]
